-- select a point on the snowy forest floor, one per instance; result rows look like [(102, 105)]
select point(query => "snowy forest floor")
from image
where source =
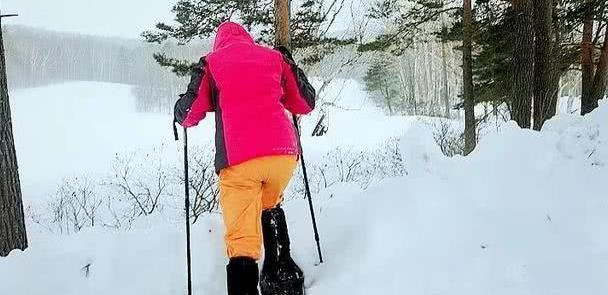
[(525, 213)]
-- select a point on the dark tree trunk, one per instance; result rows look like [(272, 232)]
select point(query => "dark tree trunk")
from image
[(470, 139), (543, 69), (587, 49), (556, 68), (601, 73), (12, 222), (522, 88)]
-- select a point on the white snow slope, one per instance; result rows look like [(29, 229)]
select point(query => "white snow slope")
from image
[(526, 213)]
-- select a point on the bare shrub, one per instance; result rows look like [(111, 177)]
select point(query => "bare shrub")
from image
[(76, 205), (342, 165), (449, 139), (139, 186), (387, 160), (203, 183), (141, 182)]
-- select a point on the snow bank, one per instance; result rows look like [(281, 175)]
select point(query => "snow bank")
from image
[(524, 214)]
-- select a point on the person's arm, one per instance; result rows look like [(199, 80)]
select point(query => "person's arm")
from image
[(193, 105), (300, 95)]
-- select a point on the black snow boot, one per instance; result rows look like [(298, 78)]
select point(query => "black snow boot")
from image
[(280, 274), (242, 276)]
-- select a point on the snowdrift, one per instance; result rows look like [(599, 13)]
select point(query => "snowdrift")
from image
[(526, 213)]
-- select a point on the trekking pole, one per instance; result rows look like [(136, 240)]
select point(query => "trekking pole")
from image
[(307, 189), (187, 205)]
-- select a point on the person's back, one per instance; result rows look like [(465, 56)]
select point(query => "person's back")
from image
[(250, 87)]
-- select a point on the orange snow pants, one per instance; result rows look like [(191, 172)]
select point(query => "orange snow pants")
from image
[(245, 190)]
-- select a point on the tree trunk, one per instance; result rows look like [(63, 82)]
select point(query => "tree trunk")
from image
[(470, 139), (444, 67), (445, 89), (601, 73), (387, 98), (587, 49), (522, 88), (12, 221), (543, 71), (282, 15)]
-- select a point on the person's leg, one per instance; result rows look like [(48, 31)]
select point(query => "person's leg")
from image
[(242, 276), (280, 274), (241, 202), (279, 173), (274, 225)]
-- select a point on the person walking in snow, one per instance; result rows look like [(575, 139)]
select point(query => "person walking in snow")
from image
[(250, 88)]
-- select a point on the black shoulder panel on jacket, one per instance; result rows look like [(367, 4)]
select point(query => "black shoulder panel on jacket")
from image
[(196, 76), (307, 91)]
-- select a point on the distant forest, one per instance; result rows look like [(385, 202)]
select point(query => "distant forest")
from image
[(38, 57)]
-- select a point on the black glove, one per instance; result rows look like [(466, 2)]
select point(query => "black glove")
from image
[(182, 106), (284, 51)]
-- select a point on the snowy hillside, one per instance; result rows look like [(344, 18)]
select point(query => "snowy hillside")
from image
[(525, 214)]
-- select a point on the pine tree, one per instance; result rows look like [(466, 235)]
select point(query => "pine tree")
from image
[(379, 79), (198, 19)]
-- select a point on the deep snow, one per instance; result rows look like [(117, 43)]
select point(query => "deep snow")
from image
[(524, 214)]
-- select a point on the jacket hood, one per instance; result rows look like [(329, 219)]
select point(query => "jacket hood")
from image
[(230, 33)]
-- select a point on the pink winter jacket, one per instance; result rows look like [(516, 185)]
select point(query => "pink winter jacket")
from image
[(249, 87)]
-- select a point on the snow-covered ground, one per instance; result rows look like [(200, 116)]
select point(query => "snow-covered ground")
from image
[(526, 213), (78, 128)]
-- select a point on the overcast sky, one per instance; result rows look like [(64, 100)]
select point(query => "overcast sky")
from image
[(122, 18)]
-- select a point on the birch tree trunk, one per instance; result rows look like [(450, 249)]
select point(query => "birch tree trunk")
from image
[(445, 89)]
